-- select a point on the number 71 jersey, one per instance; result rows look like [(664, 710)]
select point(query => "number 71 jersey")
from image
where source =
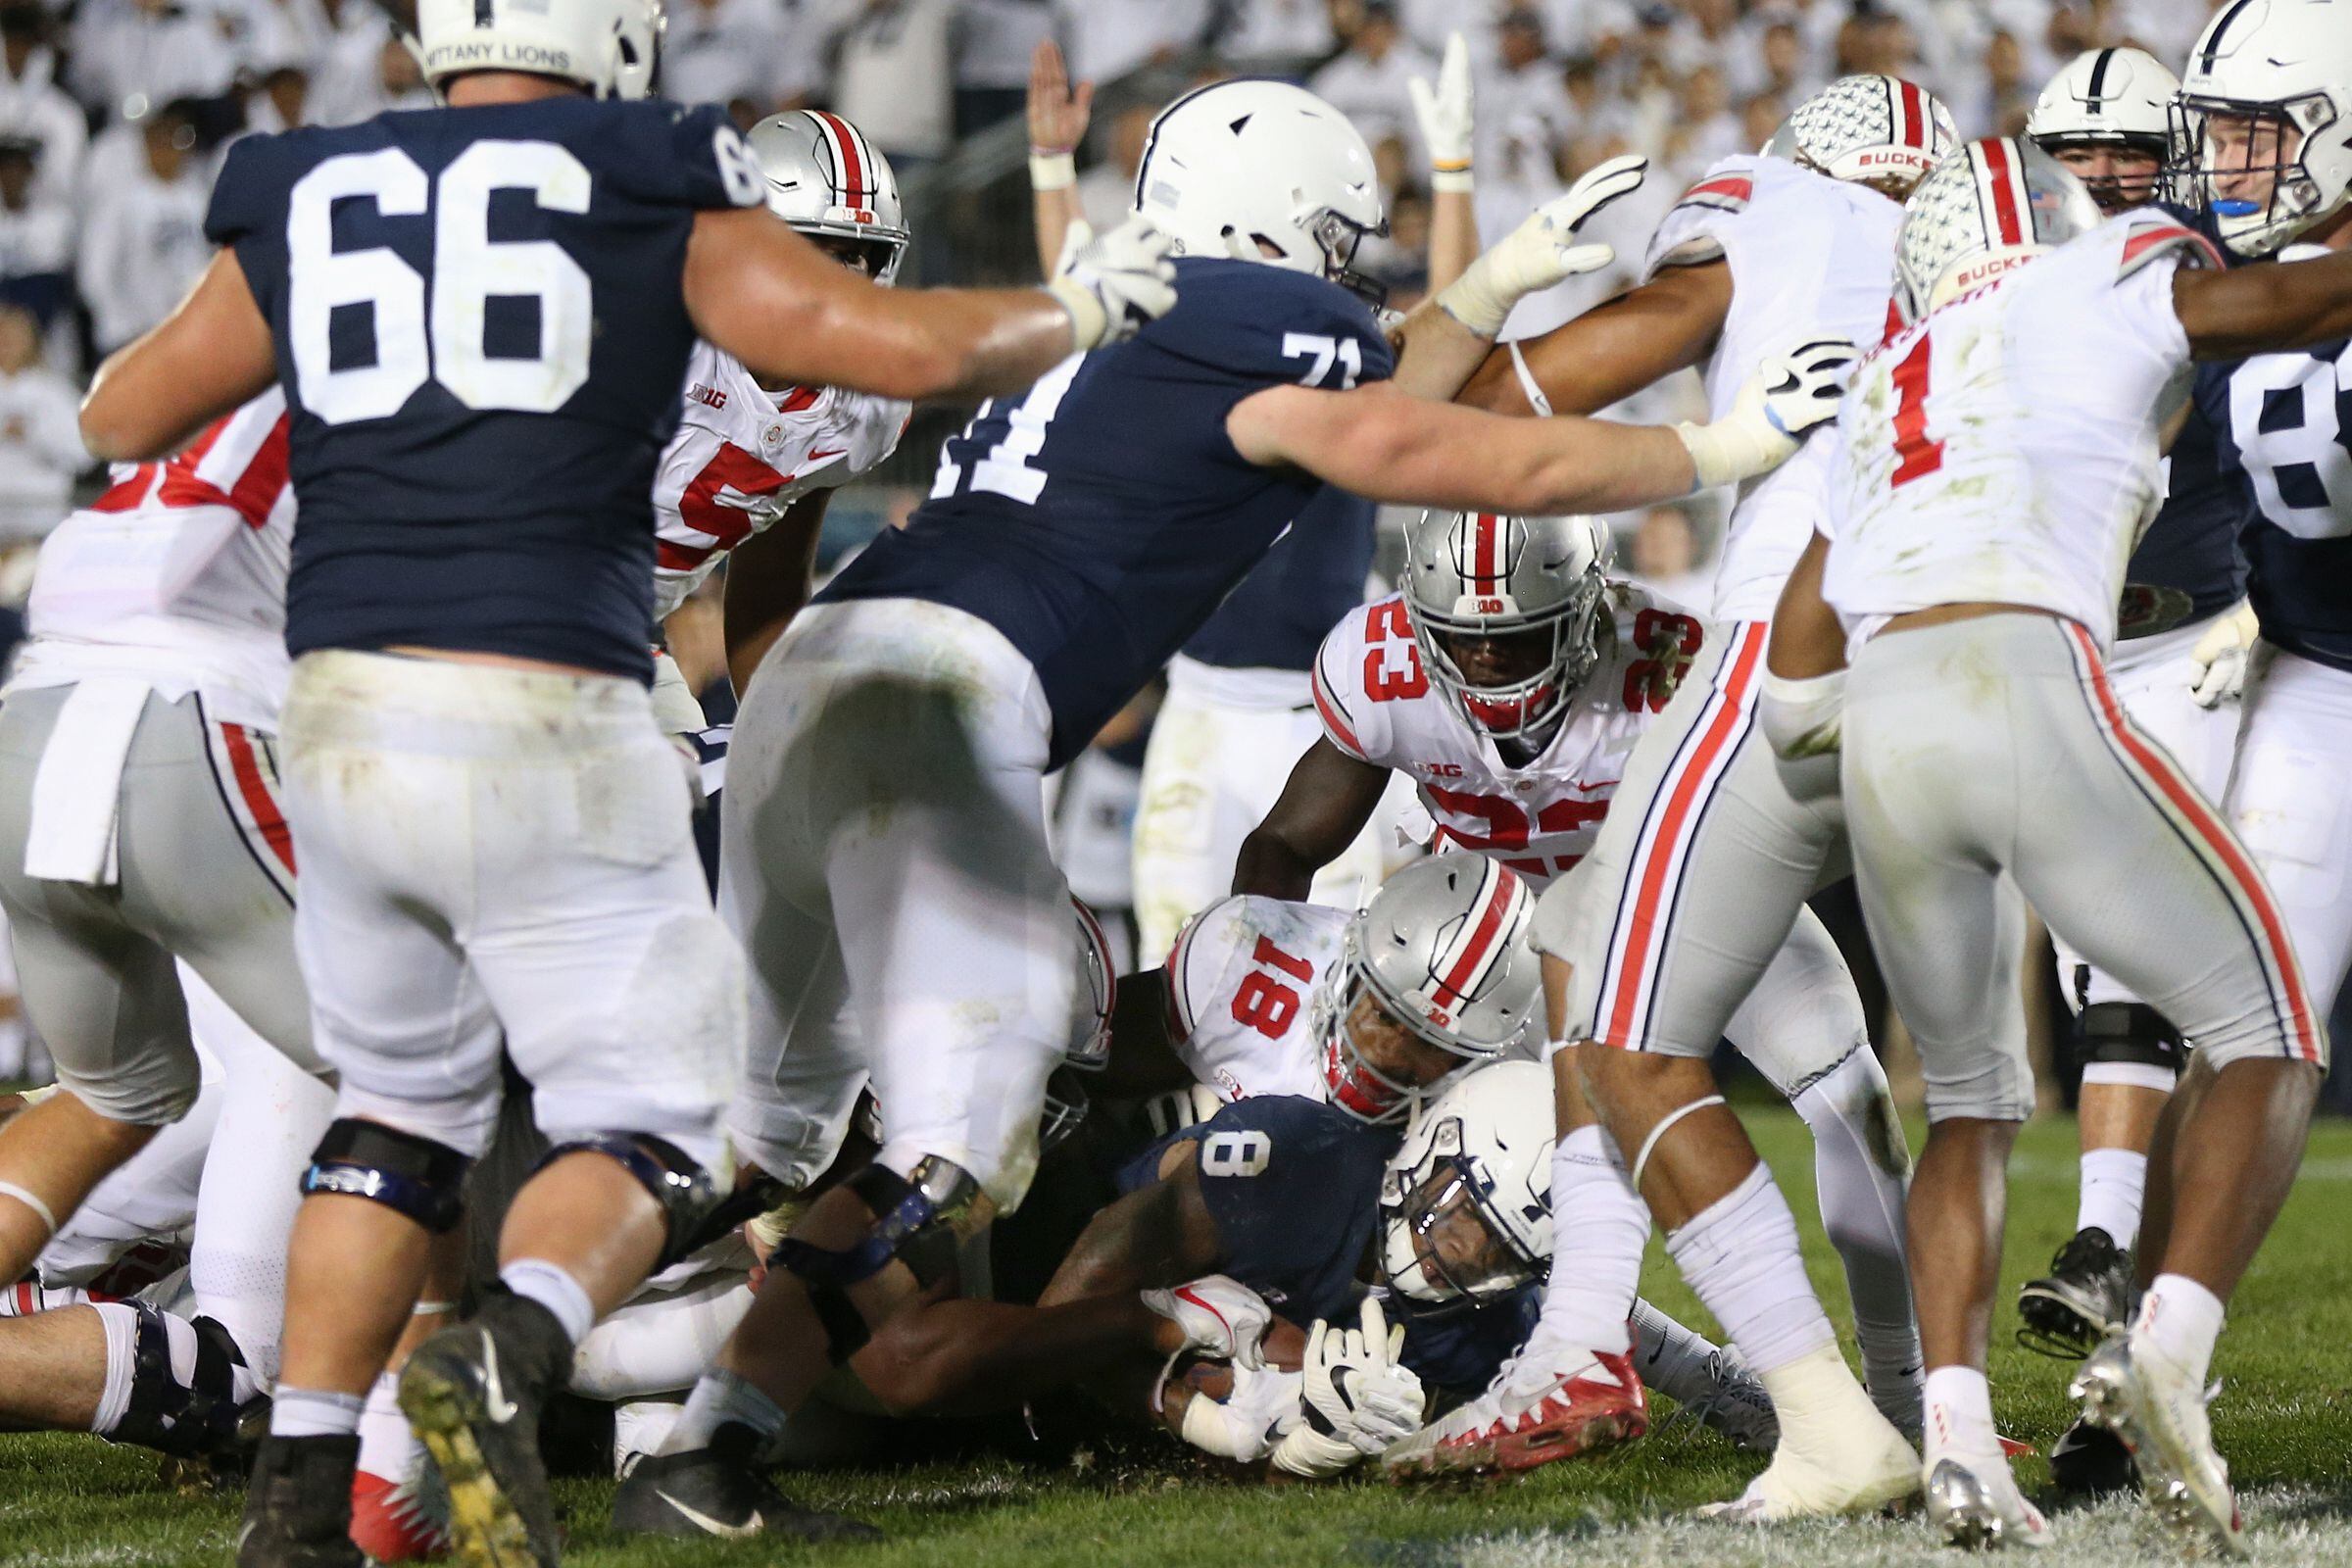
[(1378, 705), (481, 329)]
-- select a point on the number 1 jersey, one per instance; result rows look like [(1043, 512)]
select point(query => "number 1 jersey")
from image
[(482, 332)]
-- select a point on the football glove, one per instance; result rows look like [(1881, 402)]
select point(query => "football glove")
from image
[(1358, 1401), (1539, 252), (1222, 1318), (1787, 396), (2220, 657), (1116, 284), (1445, 116), (1244, 1425)]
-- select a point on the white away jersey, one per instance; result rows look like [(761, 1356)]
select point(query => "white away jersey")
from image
[(1241, 980), (177, 574), (1811, 257), (742, 455), (2003, 450), (1379, 707)]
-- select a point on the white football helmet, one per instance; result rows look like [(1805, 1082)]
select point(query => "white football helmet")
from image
[(1881, 131), (1465, 1207), (609, 47), (1441, 954), (2262, 131), (2108, 98), (1994, 205), (825, 178), (1481, 574), (1262, 171)]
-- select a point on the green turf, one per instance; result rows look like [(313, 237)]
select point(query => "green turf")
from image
[(2284, 1420)]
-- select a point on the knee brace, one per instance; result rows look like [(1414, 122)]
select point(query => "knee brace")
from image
[(413, 1176), (676, 1179), (191, 1409), (2130, 1033), (914, 1224)]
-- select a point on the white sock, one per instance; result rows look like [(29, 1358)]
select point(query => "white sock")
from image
[(1600, 1227), (1740, 1257), (120, 1323), (387, 1447), (553, 1287), (313, 1413), (2113, 1181), (2180, 1320), (720, 1396), (1960, 1415), (1670, 1358), (1861, 1181)]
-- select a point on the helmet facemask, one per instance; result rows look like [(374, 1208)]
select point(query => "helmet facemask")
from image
[(2242, 163), (1351, 1020), (2119, 192), (1441, 1240), (1526, 707)]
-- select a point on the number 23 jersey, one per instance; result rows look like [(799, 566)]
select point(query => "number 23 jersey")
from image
[(481, 329), (1378, 705)]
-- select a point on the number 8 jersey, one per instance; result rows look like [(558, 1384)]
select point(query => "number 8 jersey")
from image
[(482, 332)]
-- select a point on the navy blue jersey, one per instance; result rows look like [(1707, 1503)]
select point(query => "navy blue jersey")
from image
[(1098, 520), (1456, 1350), (2285, 424), (1291, 600), (1293, 1186), (2188, 566), (481, 334)]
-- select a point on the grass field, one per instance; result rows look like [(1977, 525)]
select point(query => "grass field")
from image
[(2284, 1419)]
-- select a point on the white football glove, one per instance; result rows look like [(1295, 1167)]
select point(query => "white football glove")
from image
[(1787, 396), (1359, 1402), (1445, 116), (1244, 1424), (1116, 284), (2221, 658), (1539, 252), (1221, 1317)]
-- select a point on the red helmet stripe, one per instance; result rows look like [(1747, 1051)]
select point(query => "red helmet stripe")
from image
[(844, 152), (1915, 116), (2000, 174), (1485, 554), (1476, 946)]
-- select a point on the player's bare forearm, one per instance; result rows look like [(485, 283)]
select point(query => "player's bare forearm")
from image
[(1613, 350), (2265, 310), (1436, 354), (1452, 236), (210, 354), (768, 579), (963, 1357), (1324, 805), (772, 298), (1156, 1235), (1385, 446), (1052, 212), (1807, 639)]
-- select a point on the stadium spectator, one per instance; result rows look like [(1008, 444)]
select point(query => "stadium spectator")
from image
[(1366, 83), (732, 52), (1273, 29), (994, 42), (37, 236), (129, 56), (144, 241), (40, 440), (1105, 39), (32, 106), (894, 77)]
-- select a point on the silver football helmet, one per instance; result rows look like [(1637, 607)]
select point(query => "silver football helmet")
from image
[(1437, 966), (2262, 129), (1881, 131), (1089, 1047), (1465, 1207), (1993, 206), (1524, 586), (825, 178)]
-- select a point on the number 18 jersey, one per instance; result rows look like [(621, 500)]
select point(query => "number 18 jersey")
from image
[(2003, 449), (481, 331), (1240, 983)]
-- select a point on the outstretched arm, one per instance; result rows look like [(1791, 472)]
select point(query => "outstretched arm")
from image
[(1613, 350), (210, 354), (1057, 117), (2265, 310), (1329, 799)]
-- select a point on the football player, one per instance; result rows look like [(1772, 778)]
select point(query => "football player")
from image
[(1999, 455), (884, 842), (495, 841), (2104, 118), (1699, 875), (1509, 678)]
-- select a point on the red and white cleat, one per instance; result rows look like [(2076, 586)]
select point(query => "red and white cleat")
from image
[(398, 1521), (1536, 1412)]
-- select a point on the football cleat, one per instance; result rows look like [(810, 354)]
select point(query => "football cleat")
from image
[(1737, 1407), (720, 1491), (2087, 1295), (473, 1393), (1532, 1415), (297, 1514), (1976, 1505), (2091, 1461), (1865, 1465), (400, 1521), (2158, 1412), (1222, 1318)]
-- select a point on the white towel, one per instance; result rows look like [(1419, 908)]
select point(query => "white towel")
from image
[(72, 835)]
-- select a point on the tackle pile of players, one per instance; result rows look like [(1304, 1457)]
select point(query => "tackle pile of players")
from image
[(421, 1079)]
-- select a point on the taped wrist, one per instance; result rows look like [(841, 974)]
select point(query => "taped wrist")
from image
[(1051, 170), (1089, 319), (1732, 449), (1451, 177)]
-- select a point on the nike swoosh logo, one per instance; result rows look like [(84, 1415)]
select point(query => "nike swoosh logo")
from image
[(1184, 1292), (829, 452), (495, 1402), (708, 1525)]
